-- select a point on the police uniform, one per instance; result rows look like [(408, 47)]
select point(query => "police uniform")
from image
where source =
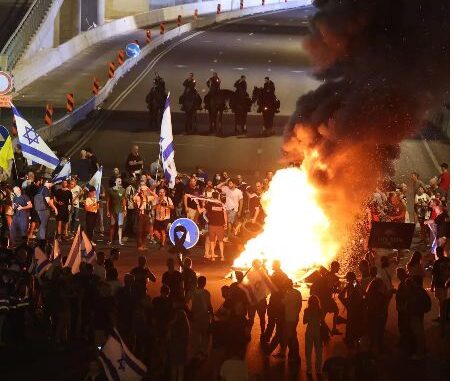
[(241, 85), (214, 83), (189, 84)]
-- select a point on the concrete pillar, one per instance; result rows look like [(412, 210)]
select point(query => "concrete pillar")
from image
[(92, 13), (100, 12), (70, 19)]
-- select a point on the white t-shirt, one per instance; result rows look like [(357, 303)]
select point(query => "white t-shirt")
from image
[(77, 193), (234, 370), (232, 198)]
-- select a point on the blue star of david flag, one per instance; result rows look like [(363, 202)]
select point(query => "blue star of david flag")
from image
[(64, 174), (167, 147), (118, 362), (33, 147)]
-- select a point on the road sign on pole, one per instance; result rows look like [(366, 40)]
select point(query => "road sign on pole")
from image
[(6, 83), (132, 50), (192, 232)]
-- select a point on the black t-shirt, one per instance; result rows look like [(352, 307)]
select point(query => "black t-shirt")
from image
[(133, 167), (31, 190), (64, 196), (193, 192), (215, 214), (442, 222), (81, 168), (141, 276), (178, 192), (175, 282), (162, 310), (189, 279), (254, 202)]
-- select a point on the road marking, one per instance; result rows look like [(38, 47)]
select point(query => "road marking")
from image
[(97, 123), (431, 154)]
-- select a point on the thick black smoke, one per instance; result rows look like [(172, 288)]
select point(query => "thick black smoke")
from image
[(384, 66)]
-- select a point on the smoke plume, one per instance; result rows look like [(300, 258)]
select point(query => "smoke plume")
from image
[(384, 65)]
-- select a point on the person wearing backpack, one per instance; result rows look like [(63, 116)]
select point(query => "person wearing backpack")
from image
[(418, 305), (440, 275), (42, 203)]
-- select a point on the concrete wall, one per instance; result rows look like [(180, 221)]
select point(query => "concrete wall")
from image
[(66, 123), (42, 62), (122, 8), (43, 40)]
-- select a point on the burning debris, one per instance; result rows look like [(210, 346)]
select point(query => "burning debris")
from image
[(384, 65)]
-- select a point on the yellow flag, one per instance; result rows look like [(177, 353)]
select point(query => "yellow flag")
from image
[(6, 154)]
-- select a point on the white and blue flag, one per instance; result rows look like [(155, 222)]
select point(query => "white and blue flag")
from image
[(95, 181), (167, 147), (64, 174), (118, 361), (33, 148)]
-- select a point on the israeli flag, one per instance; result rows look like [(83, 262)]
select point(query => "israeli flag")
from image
[(42, 262), (95, 181), (118, 362), (64, 174), (33, 148), (166, 145), (74, 257)]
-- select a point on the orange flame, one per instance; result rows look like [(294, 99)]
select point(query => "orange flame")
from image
[(297, 231)]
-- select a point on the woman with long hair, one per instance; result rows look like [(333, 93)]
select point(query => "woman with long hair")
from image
[(313, 318)]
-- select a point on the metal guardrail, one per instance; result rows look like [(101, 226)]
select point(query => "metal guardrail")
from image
[(67, 122), (19, 40)]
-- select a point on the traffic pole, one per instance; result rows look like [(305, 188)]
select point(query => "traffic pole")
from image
[(121, 57), (69, 102), (95, 87), (148, 36), (111, 69), (48, 117)]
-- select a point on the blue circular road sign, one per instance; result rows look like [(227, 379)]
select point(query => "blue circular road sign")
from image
[(132, 50), (192, 235)]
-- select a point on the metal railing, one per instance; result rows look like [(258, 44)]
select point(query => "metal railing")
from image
[(20, 39)]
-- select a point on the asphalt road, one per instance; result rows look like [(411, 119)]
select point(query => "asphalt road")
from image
[(258, 46)]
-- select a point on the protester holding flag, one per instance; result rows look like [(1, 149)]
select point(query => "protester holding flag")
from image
[(167, 147), (33, 148), (91, 212)]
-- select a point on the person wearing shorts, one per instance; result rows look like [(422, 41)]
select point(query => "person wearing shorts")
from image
[(116, 209), (163, 206), (63, 200), (217, 223)]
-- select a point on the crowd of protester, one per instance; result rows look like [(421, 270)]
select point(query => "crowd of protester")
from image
[(181, 325)]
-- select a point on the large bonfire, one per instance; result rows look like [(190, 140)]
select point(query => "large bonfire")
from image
[(296, 231)]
